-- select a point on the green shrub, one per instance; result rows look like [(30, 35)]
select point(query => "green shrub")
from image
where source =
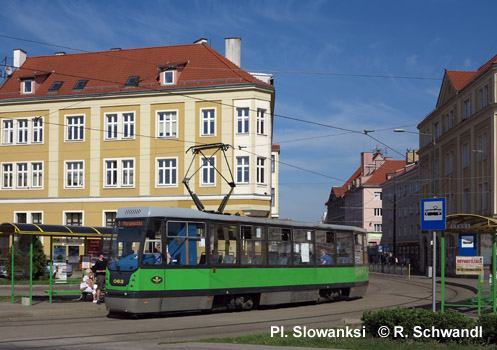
[(489, 328)]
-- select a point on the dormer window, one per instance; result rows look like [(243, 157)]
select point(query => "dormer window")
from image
[(132, 81), (27, 86), (168, 77), (80, 85), (55, 86)]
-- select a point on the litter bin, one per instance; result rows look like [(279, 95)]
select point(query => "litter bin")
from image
[(429, 271)]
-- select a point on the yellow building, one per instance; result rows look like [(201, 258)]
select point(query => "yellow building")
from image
[(457, 152), (85, 134)]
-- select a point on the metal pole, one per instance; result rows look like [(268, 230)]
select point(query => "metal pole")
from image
[(31, 271), (442, 270), (434, 272), (13, 251)]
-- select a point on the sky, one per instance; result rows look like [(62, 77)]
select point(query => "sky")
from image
[(345, 65)]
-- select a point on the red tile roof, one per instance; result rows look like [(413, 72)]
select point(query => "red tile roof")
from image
[(388, 167), (108, 71), (460, 79)]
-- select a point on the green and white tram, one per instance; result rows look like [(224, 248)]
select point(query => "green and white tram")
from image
[(173, 259)]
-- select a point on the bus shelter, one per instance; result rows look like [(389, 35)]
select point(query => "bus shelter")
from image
[(11, 229), (479, 225)]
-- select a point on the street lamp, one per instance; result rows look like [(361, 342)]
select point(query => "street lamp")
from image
[(434, 272)]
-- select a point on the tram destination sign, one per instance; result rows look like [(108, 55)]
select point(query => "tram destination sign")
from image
[(433, 214)]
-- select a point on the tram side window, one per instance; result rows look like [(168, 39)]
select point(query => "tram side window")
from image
[(152, 249), (185, 243), (325, 246), (253, 245), (279, 245), (303, 247), (344, 248), (360, 252), (223, 244)]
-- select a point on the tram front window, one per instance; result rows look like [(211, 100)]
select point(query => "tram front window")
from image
[(125, 245)]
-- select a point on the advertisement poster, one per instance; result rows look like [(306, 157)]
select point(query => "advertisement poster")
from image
[(469, 265), (59, 253), (93, 247), (60, 272)]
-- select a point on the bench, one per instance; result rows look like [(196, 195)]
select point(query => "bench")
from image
[(65, 292)]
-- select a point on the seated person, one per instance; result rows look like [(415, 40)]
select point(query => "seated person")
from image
[(87, 285)]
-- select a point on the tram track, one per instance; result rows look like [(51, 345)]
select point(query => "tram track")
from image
[(178, 326)]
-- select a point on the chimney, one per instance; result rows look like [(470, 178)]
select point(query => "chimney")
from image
[(19, 58), (232, 50)]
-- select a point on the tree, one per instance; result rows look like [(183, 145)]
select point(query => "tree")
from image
[(21, 258)]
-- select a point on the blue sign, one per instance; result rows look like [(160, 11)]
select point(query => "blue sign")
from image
[(432, 214), (467, 244)]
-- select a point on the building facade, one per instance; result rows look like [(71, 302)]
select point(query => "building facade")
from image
[(457, 151), (401, 228), (84, 134), (359, 201)]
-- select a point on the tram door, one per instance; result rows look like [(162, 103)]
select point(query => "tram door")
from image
[(154, 254)]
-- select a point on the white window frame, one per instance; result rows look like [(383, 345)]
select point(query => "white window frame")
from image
[(261, 171), (76, 173), (10, 174), (8, 132), (119, 128), (208, 120), (242, 120), (164, 75), (120, 173), (467, 108), (208, 170), (31, 89), (22, 175), (377, 196), (104, 216), (243, 168), (170, 168), (161, 125), (378, 212), (77, 127), (29, 216), (37, 130), (22, 131), (36, 175), (261, 121)]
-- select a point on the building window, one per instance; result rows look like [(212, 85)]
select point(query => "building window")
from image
[(74, 219), (167, 124), (37, 218), (449, 163), (7, 176), (22, 175), (377, 227), (37, 130), (120, 126), (27, 86), (377, 212), (132, 81), (261, 170), (8, 132), (261, 121), (75, 174), (377, 196), (110, 218), (167, 77), (75, 128), (449, 120), (80, 85), (111, 173), (242, 120), (22, 218), (465, 201), (483, 97), (208, 171), (273, 202), (273, 163), (437, 130), (467, 109), (166, 172), (465, 155), (17, 131), (119, 173), (482, 145), (56, 85), (208, 122), (36, 175), (22, 131), (242, 169)]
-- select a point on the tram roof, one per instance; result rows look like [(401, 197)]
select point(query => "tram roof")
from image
[(470, 223), (55, 230), (190, 214)]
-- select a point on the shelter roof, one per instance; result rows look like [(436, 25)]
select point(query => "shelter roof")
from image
[(54, 230), (470, 223)]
